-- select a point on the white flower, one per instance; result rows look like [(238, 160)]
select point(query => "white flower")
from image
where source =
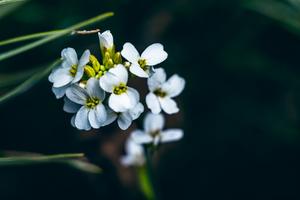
[(153, 132), (92, 113), (122, 97), (135, 155), (162, 92), (124, 118), (106, 40), (70, 71), (141, 65)]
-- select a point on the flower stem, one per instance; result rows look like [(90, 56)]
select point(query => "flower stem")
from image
[(145, 178)]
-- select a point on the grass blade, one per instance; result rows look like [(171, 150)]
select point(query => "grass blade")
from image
[(66, 159), (12, 79), (28, 83), (4, 2), (66, 31), (29, 37)]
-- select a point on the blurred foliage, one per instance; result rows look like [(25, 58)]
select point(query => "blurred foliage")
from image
[(241, 107)]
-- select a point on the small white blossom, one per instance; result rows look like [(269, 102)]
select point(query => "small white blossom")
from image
[(122, 97), (135, 155), (106, 40), (91, 113), (141, 65), (70, 71), (124, 118), (153, 133), (162, 92)]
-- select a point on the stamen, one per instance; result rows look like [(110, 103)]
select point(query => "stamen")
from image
[(122, 88)]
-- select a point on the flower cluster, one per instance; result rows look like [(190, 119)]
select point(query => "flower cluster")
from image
[(97, 93)]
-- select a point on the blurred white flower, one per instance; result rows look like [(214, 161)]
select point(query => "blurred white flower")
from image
[(153, 133), (92, 113), (70, 71), (122, 97), (124, 118), (162, 92), (141, 65), (135, 155), (106, 40)]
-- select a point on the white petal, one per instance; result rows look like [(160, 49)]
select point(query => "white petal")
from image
[(73, 121), (111, 117), (108, 81), (168, 105), (70, 106), (81, 119), (78, 75), (97, 116), (119, 103), (138, 71), (124, 120), (157, 79), (153, 122), (94, 90), (69, 55), (84, 58), (171, 135), (61, 77), (153, 103), (174, 86), (106, 39), (141, 137), (134, 97), (60, 92), (154, 54), (130, 53), (77, 94), (136, 111), (120, 72)]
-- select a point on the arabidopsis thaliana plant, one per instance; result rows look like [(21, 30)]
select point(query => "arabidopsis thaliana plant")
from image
[(70, 71), (135, 155), (92, 113), (122, 97), (153, 133), (141, 65), (124, 118), (162, 92)]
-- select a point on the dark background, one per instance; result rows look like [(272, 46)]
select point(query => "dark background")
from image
[(240, 108)]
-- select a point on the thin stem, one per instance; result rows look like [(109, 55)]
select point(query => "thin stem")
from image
[(47, 39), (145, 175), (30, 37)]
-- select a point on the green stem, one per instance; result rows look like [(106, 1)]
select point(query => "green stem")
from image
[(30, 37), (146, 183), (42, 41)]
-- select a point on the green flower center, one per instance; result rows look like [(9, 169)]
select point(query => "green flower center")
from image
[(92, 102), (154, 134), (73, 70), (159, 92), (143, 64), (122, 88)]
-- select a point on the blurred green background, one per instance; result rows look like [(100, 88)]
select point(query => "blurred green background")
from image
[(240, 109)]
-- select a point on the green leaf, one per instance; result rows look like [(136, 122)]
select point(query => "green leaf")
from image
[(29, 37), (47, 39), (66, 159), (28, 83)]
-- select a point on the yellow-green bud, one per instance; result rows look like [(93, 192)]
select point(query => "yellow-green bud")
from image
[(117, 58), (95, 63), (89, 71)]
